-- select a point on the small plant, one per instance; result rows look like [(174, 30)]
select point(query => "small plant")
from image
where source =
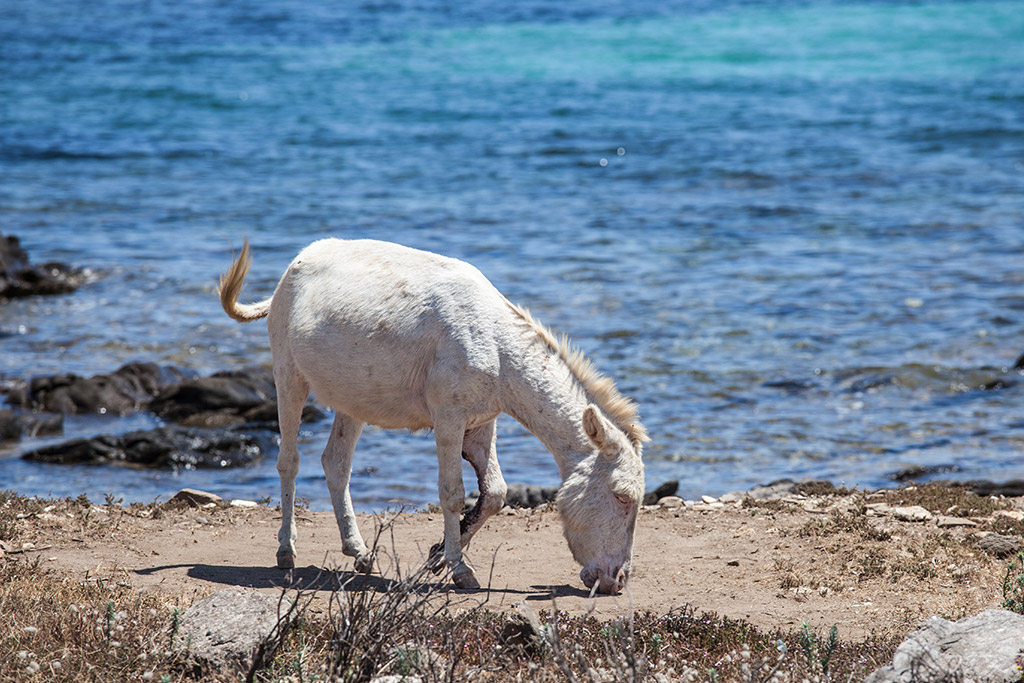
[(818, 654), (1013, 585)]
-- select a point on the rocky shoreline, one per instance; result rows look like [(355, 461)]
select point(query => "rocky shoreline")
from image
[(225, 420)]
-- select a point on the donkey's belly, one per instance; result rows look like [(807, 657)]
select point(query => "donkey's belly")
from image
[(376, 385)]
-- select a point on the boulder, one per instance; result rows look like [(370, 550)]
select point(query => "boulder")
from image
[(19, 278), (232, 630), (225, 399), (172, 447), (10, 428), (233, 392), (121, 392), (14, 426), (984, 647), (998, 544), (669, 488)]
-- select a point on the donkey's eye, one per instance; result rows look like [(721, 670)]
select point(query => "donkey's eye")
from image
[(624, 501)]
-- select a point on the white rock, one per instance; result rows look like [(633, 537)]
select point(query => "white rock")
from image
[(877, 509), (239, 503), (945, 522), (984, 647), (670, 502), (912, 513), (708, 499)]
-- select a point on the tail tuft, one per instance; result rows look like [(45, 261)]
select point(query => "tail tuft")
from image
[(231, 287)]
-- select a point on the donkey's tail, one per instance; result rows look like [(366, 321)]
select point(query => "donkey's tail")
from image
[(231, 287)]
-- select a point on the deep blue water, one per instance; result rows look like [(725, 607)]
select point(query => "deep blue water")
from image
[(793, 231)]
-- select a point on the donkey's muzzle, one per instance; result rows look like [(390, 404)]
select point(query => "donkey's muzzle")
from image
[(606, 582)]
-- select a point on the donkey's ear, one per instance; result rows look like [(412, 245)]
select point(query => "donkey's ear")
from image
[(595, 426)]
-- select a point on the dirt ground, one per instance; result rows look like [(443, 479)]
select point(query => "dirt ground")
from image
[(822, 560)]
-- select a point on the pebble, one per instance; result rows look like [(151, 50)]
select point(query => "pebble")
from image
[(670, 502), (239, 503), (708, 499)]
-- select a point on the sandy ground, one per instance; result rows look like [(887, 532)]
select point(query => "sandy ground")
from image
[(775, 566)]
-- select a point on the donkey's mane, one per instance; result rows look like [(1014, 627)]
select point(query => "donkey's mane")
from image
[(600, 388)]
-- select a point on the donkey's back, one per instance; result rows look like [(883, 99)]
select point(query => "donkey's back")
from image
[(382, 332)]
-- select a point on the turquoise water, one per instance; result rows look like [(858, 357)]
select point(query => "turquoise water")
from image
[(792, 230)]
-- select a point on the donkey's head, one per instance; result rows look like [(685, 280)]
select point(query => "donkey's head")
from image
[(598, 503)]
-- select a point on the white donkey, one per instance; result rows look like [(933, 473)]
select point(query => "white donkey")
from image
[(402, 338)]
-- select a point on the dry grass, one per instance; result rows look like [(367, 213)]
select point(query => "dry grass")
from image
[(939, 498), (62, 628), (79, 630)]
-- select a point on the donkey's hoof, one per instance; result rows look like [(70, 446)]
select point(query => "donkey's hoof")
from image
[(285, 559), (466, 580), (364, 563), (435, 560)]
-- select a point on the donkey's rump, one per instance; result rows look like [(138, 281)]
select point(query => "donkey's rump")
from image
[(379, 331)]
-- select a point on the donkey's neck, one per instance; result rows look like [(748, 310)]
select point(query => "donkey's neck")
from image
[(541, 392)]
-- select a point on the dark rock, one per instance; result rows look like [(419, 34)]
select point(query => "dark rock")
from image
[(13, 426), (999, 545), (917, 472), (234, 394), (122, 392), (521, 496), (233, 630), (790, 386), (669, 488), (171, 447), (984, 647), (1011, 489), (19, 278), (229, 398), (10, 428), (41, 424), (527, 496), (194, 497)]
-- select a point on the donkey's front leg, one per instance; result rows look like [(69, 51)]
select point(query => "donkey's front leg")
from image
[(448, 433)]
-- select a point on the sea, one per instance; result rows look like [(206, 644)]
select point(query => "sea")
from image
[(792, 230)]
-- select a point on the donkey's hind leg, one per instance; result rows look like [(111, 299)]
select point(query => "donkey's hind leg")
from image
[(478, 448), (337, 462), (292, 392)]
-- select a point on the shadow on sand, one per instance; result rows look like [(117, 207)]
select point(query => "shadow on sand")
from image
[(313, 578)]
